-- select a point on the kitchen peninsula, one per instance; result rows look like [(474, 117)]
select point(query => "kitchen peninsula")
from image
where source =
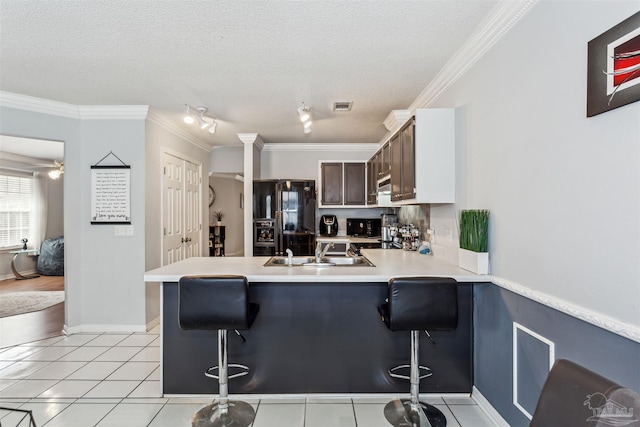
[(318, 330)]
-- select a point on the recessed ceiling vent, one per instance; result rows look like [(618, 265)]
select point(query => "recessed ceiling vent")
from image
[(342, 106)]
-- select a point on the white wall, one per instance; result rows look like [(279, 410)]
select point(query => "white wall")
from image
[(228, 191), (563, 189), (55, 208), (159, 139), (227, 159), (103, 273)]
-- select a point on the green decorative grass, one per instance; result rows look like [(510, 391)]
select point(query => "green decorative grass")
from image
[(474, 230)]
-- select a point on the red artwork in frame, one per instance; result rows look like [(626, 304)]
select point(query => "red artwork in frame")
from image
[(613, 70)]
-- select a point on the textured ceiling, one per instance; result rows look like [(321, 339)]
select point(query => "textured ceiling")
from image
[(250, 62)]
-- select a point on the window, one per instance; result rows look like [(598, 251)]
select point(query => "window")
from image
[(15, 209)]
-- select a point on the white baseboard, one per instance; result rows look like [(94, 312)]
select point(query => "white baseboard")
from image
[(100, 329), (153, 323), (488, 409)]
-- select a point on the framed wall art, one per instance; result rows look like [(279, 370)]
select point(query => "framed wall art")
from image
[(613, 67), (110, 193)]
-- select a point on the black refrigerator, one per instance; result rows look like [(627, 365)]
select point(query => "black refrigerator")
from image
[(284, 217)]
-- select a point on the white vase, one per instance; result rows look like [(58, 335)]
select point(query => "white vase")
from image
[(476, 262)]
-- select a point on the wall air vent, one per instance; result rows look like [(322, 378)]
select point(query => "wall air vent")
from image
[(342, 106)]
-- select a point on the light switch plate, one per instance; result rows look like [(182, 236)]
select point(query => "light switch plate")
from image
[(124, 230)]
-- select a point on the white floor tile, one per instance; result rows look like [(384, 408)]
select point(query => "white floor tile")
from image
[(81, 415), (329, 415), (155, 343), (147, 389), (20, 370), (471, 415), (45, 343), (279, 415), (84, 354), (451, 419), (134, 371), (108, 389), (5, 363), (178, 415), (50, 353), (130, 415), (155, 375), (118, 354), (147, 354), (137, 340), (27, 388), (459, 400), (75, 340), (284, 399), (56, 371), (6, 383), (67, 389), (95, 371), (370, 414), (42, 412), (19, 352), (155, 330), (107, 340)]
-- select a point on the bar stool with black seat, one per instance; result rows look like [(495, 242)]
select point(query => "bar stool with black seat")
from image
[(416, 304), (218, 303)]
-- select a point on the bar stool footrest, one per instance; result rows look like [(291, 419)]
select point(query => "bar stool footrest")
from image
[(243, 370), (393, 372)]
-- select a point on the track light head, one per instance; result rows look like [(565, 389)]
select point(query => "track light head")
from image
[(304, 113), (203, 121)]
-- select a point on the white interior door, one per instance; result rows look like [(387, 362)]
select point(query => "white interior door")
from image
[(193, 210), (181, 209)]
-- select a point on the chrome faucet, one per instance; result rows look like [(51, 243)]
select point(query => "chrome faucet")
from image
[(289, 257), (321, 252)]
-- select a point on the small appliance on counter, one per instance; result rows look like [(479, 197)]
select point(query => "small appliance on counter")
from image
[(328, 225), (388, 230), (363, 227)]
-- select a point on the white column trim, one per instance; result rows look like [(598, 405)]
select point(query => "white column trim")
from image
[(249, 140), (487, 408)]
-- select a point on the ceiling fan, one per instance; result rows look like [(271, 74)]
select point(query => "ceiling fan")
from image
[(57, 169)]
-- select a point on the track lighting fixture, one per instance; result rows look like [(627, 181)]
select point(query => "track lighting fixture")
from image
[(304, 113), (204, 122)]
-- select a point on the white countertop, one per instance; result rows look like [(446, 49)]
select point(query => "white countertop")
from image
[(389, 263)]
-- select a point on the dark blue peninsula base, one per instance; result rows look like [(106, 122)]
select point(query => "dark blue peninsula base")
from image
[(316, 338)]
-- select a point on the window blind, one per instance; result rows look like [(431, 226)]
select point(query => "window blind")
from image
[(15, 208)]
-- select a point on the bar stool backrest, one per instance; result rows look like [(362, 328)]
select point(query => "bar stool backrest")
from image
[(423, 303), (213, 302)]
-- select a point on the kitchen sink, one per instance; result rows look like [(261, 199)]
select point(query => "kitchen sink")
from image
[(331, 261)]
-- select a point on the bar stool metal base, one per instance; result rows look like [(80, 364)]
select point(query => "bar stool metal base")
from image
[(400, 414), (239, 414)]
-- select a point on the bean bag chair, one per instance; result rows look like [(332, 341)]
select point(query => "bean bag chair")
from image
[(51, 259)]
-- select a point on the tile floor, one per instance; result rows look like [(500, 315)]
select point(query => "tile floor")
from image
[(113, 380)]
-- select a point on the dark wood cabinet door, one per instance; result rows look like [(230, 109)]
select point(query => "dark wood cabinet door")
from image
[(385, 163), (331, 176), (408, 161), (372, 182), (396, 165), (354, 184)]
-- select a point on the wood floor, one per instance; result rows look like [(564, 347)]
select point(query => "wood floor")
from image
[(24, 328)]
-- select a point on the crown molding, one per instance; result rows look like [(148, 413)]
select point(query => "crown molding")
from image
[(396, 118), (83, 112), (38, 105), (494, 27), (113, 112), (369, 148), (171, 127)]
